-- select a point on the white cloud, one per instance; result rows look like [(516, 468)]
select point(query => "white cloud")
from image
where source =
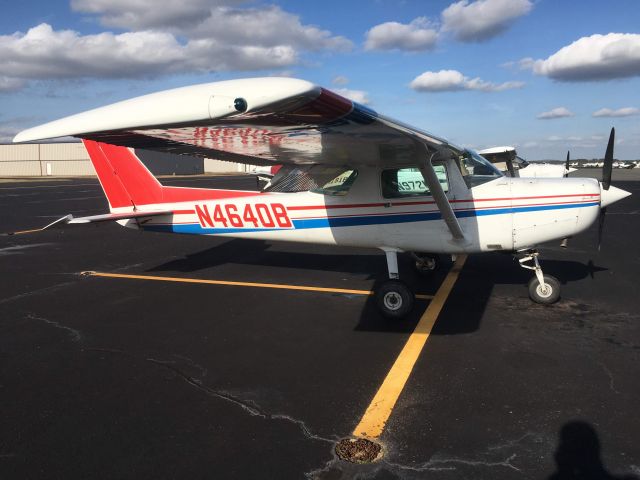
[(189, 36), (482, 19), (453, 80), (355, 95), (43, 53), (340, 80), (264, 27), (216, 20), (416, 36), (620, 112), (559, 112), (146, 14), (598, 57)]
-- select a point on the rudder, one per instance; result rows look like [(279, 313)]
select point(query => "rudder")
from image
[(124, 178)]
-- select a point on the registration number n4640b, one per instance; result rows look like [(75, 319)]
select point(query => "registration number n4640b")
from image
[(230, 215)]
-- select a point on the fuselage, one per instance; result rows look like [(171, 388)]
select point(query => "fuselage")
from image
[(504, 214)]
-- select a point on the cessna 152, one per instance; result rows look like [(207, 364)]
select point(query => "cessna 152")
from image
[(350, 176)]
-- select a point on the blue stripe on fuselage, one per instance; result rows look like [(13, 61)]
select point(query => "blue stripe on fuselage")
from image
[(355, 221)]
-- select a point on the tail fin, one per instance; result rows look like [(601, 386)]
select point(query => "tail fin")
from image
[(124, 178), (127, 182)]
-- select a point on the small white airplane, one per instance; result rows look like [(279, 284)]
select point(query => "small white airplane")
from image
[(350, 176), (506, 160)]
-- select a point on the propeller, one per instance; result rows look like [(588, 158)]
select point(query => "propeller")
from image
[(607, 167), (608, 161), (566, 166)]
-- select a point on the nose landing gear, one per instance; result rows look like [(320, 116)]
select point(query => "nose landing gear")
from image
[(543, 289)]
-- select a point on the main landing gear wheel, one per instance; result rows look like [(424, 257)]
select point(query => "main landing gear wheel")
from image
[(394, 299), (547, 294)]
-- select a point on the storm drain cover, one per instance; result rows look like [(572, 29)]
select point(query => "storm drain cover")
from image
[(358, 450)]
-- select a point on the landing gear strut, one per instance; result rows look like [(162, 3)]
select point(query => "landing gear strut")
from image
[(543, 289), (394, 298)]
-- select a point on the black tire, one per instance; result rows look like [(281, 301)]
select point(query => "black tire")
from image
[(394, 299), (545, 298), (427, 267)]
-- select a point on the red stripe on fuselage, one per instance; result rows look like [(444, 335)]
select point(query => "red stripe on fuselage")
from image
[(493, 207), (399, 204)]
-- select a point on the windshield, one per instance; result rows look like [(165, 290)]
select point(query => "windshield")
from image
[(476, 170), (520, 162)]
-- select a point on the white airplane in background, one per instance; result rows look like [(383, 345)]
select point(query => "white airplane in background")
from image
[(506, 160), (350, 176)]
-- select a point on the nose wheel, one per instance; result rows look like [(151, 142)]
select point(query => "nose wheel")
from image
[(543, 289), (394, 298)]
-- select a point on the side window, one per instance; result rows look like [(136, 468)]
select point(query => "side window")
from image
[(408, 182), (334, 181)]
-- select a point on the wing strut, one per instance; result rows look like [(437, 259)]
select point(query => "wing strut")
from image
[(439, 196)]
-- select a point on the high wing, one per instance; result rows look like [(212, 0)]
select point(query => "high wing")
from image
[(259, 121)]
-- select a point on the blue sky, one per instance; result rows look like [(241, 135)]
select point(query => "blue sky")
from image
[(530, 73)]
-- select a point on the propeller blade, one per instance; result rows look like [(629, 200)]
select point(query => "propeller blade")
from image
[(566, 166), (603, 213), (608, 161)]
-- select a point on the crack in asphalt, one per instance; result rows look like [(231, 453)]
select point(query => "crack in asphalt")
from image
[(19, 249), (435, 461), (76, 336), (56, 286), (514, 443), (36, 292), (250, 407), (610, 375), (493, 457), (340, 470)]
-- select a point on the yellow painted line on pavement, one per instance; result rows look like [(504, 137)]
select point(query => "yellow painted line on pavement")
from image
[(377, 414), (238, 284)]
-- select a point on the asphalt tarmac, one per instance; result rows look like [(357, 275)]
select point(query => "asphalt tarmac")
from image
[(125, 378)]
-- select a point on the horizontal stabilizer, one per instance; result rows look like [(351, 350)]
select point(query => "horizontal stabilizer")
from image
[(107, 217), (112, 217)]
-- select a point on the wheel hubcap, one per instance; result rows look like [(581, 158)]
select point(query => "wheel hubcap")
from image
[(544, 291), (392, 300)]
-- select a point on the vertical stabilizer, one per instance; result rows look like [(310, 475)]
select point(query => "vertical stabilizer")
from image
[(124, 178)]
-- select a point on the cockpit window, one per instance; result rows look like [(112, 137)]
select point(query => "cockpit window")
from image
[(476, 170), (315, 178), (335, 181), (409, 182)]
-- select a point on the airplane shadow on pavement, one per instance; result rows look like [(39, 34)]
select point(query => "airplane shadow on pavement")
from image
[(469, 298), (462, 313)]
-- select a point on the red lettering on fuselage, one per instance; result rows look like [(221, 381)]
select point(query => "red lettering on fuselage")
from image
[(204, 216), (260, 215)]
